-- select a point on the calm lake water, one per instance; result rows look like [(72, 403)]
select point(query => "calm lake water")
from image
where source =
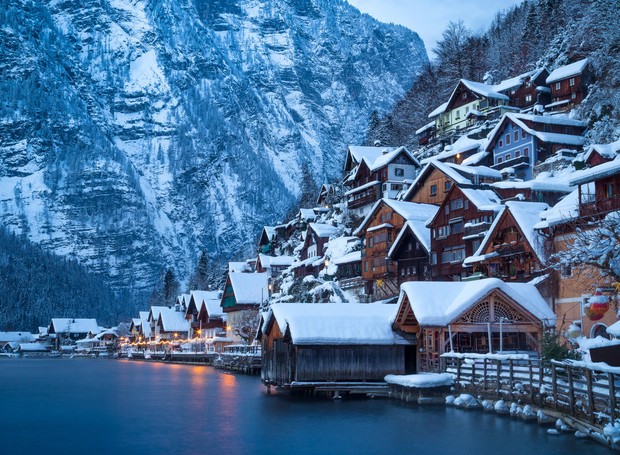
[(97, 406)]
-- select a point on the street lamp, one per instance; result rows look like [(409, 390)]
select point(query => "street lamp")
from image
[(501, 337)]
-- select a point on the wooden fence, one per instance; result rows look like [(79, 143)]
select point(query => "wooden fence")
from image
[(588, 394)]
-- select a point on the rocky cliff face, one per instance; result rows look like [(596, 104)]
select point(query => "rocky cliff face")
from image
[(134, 134)]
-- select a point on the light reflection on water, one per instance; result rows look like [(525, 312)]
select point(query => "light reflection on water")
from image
[(113, 407)]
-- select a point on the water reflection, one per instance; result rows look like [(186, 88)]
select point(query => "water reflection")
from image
[(106, 406)]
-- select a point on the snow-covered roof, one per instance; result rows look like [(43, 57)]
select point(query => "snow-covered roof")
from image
[(357, 189), (426, 127), (71, 325), (33, 347), (488, 91), (307, 214), (250, 288), (596, 173), (408, 210), (516, 81), (566, 71), (438, 303), (156, 311), (236, 267), (137, 322), (145, 326), (419, 230), (556, 138), (461, 145), (527, 215), (277, 261), (438, 110), (211, 299), (542, 182), (173, 321), (609, 151), (359, 152), (482, 199), (475, 158), (336, 323), (16, 337), (270, 232), (354, 256), (565, 210), (323, 230)]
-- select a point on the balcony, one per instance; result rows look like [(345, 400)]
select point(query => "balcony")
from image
[(600, 207), (521, 161), (475, 228)]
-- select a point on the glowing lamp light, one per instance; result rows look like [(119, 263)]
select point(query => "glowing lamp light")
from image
[(598, 306), (573, 331)]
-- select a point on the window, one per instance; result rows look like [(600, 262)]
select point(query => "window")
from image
[(365, 266), (433, 190), (528, 98), (516, 136), (458, 114), (466, 204), (464, 96), (399, 172), (387, 216), (558, 85), (507, 139), (523, 134), (456, 228), (499, 159), (447, 209), (573, 95), (501, 143), (609, 190), (566, 270), (508, 157), (517, 153), (456, 204), (571, 82), (433, 258), (447, 185), (526, 151), (476, 244)]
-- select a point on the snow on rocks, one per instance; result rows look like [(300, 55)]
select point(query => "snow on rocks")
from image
[(466, 401), (501, 407), (528, 413), (544, 419), (450, 400), (515, 410), (487, 405), (421, 380)]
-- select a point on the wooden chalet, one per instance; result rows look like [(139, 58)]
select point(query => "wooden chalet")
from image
[(436, 179), (512, 249), (468, 97), (549, 190), (471, 316), (307, 346), (244, 294), (274, 265), (373, 173), (379, 230), (205, 314), (569, 85), (600, 153), (524, 90), (69, 330), (267, 236), (171, 325), (426, 134), (317, 236), (328, 193), (598, 189), (458, 227), (411, 252), (520, 141)]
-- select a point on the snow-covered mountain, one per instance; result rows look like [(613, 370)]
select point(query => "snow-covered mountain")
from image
[(135, 133)]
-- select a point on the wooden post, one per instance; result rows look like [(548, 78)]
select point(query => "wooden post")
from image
[(554, 385), (511, 373), (529, 362), (458, 371), (590, 394), (473, 373), (571, 390), (498, 366), (612, 395)]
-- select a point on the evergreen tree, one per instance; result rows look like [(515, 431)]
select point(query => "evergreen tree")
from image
[(171, 288), (200, 277)]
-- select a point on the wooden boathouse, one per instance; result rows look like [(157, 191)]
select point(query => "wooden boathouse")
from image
[(342, 347)]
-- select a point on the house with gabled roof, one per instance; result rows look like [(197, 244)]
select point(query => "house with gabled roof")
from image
[(512, 249), (171, 325), (244, 294), (459, 316), (205, 314), (311, 255), (378, 230), (464, 148), (520, 141), (307, 346), (69, 330), (458, 227), (543, 188), (569, 84), (411, 252), (524, 89), (435, 180), (153, 317), (376, 172), (605, 196), (274, 265)]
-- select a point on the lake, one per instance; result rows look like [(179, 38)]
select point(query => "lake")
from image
[(105, 406)]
